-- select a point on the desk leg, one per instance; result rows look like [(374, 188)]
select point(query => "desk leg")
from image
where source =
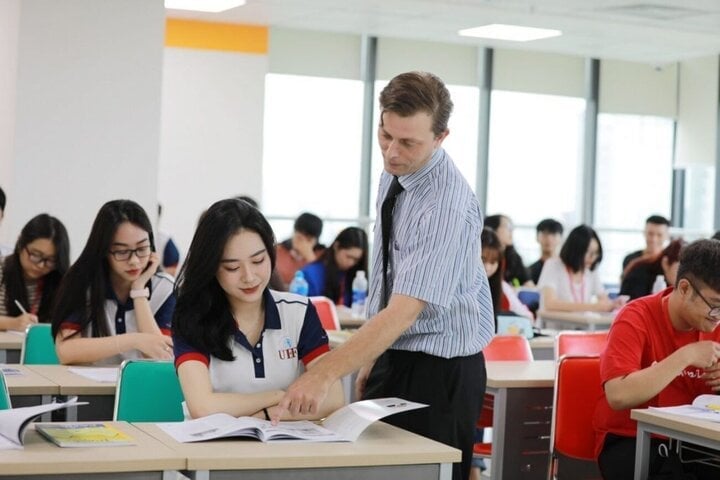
[(642, 452), (498, 433), (445, 471), (3, 356)]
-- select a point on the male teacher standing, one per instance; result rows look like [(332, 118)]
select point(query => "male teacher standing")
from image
[(429, 303)]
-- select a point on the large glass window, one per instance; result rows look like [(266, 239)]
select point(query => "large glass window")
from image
[(633, 181), (699, 199), (311, 148), (535, 158)]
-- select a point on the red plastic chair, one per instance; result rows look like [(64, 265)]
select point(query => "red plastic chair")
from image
[(580, 343), (327, 313), (500, 348), (572, 437)]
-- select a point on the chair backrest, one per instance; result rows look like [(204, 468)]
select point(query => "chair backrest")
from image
[(4, 394), (577, 390), (39, 347), (580, 343), (148, 391), (327, 312), (508, 347)]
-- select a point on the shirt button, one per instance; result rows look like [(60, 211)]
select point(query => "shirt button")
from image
[(257, 360), (257, 346)]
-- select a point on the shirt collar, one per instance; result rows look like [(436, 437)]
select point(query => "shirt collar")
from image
[(411, 180), (272, 316)]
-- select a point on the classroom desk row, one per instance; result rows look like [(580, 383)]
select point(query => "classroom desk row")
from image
[(382, 451)]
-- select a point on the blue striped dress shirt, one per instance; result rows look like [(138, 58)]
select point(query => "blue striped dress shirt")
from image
[(435, 257)]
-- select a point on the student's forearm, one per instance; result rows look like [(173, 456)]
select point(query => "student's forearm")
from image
[(561, 306), (235, 404), (143, 315), (639, 387), (79, 349)]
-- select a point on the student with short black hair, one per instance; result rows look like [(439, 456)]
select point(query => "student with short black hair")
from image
[(31, 274), (238, 344), (662, 351), (548, 233), (113, 304), (569, 282), (303, 248), (657, 232)]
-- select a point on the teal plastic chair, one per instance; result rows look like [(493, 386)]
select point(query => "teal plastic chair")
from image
[(148, 391), (4, 394), (39, 347)]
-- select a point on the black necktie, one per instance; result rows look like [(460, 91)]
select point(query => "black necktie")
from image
[(386, 214)]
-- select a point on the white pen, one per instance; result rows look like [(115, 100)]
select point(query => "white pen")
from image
[(19, 305)]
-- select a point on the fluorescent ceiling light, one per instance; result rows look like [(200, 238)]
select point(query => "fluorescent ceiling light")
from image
[(213, 6), (513, 33)]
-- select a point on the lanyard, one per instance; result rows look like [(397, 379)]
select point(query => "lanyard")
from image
[(578, 296)]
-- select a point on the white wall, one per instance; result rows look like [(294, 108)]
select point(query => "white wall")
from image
[(87, 109), (212, 135), (9, 21)]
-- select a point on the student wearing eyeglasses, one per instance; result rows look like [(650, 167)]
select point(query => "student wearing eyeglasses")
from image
[(662, 351), (29, 277), (113, 304)]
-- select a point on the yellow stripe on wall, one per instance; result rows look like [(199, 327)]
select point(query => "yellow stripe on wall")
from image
[(228, 37)]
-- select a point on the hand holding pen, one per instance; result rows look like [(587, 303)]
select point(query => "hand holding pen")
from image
[(23, 320)]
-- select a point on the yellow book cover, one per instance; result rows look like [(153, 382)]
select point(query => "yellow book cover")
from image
[(83, 434)]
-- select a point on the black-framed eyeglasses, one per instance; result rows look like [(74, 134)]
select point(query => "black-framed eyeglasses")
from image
[(714, 310), (39, 259), (124, 255)]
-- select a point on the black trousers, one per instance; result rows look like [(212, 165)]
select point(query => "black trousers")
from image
[(453, 387), (617, 461)]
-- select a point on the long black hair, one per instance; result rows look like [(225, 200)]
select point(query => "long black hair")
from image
[(575, 248), (489, 240), (201, 315), (40, 226), (351, 237), (83, 290)]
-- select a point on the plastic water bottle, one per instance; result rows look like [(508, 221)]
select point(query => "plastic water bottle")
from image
[(359, 294), (299, 285), (659, 284)]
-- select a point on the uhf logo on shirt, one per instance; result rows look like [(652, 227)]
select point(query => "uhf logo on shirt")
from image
[(288, 351)]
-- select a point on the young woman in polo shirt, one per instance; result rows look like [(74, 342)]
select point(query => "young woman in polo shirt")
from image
[(238, 344), (113, 304), (29, 277)]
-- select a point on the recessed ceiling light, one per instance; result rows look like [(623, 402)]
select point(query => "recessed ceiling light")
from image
[(213, 6), (513, 33)]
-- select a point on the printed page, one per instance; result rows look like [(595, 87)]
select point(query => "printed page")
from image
[(14, 421), (704, 407), (98, 374), (85, 434), (213, 426), (351, 420), (297, 430), (707, 402)]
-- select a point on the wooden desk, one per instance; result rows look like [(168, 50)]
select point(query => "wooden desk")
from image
[(381, 452), (699, 432), (27, 387), (148, 459), (100, 395), (543, 347), (522, 416), (10, 346), (577, 320)]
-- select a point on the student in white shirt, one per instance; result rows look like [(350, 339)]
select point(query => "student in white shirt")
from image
[(571, 282)]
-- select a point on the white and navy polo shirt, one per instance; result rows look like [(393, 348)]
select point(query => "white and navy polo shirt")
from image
[(291, 338), (120, 318)]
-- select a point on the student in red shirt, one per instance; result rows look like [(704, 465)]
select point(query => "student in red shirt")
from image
[(662, 351)]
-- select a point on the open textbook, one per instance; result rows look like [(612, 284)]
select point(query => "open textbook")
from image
[(704, 407), (344, 425), (14, 421)]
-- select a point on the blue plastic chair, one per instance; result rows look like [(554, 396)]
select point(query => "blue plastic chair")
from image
[(39, 347), (148, 391)]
